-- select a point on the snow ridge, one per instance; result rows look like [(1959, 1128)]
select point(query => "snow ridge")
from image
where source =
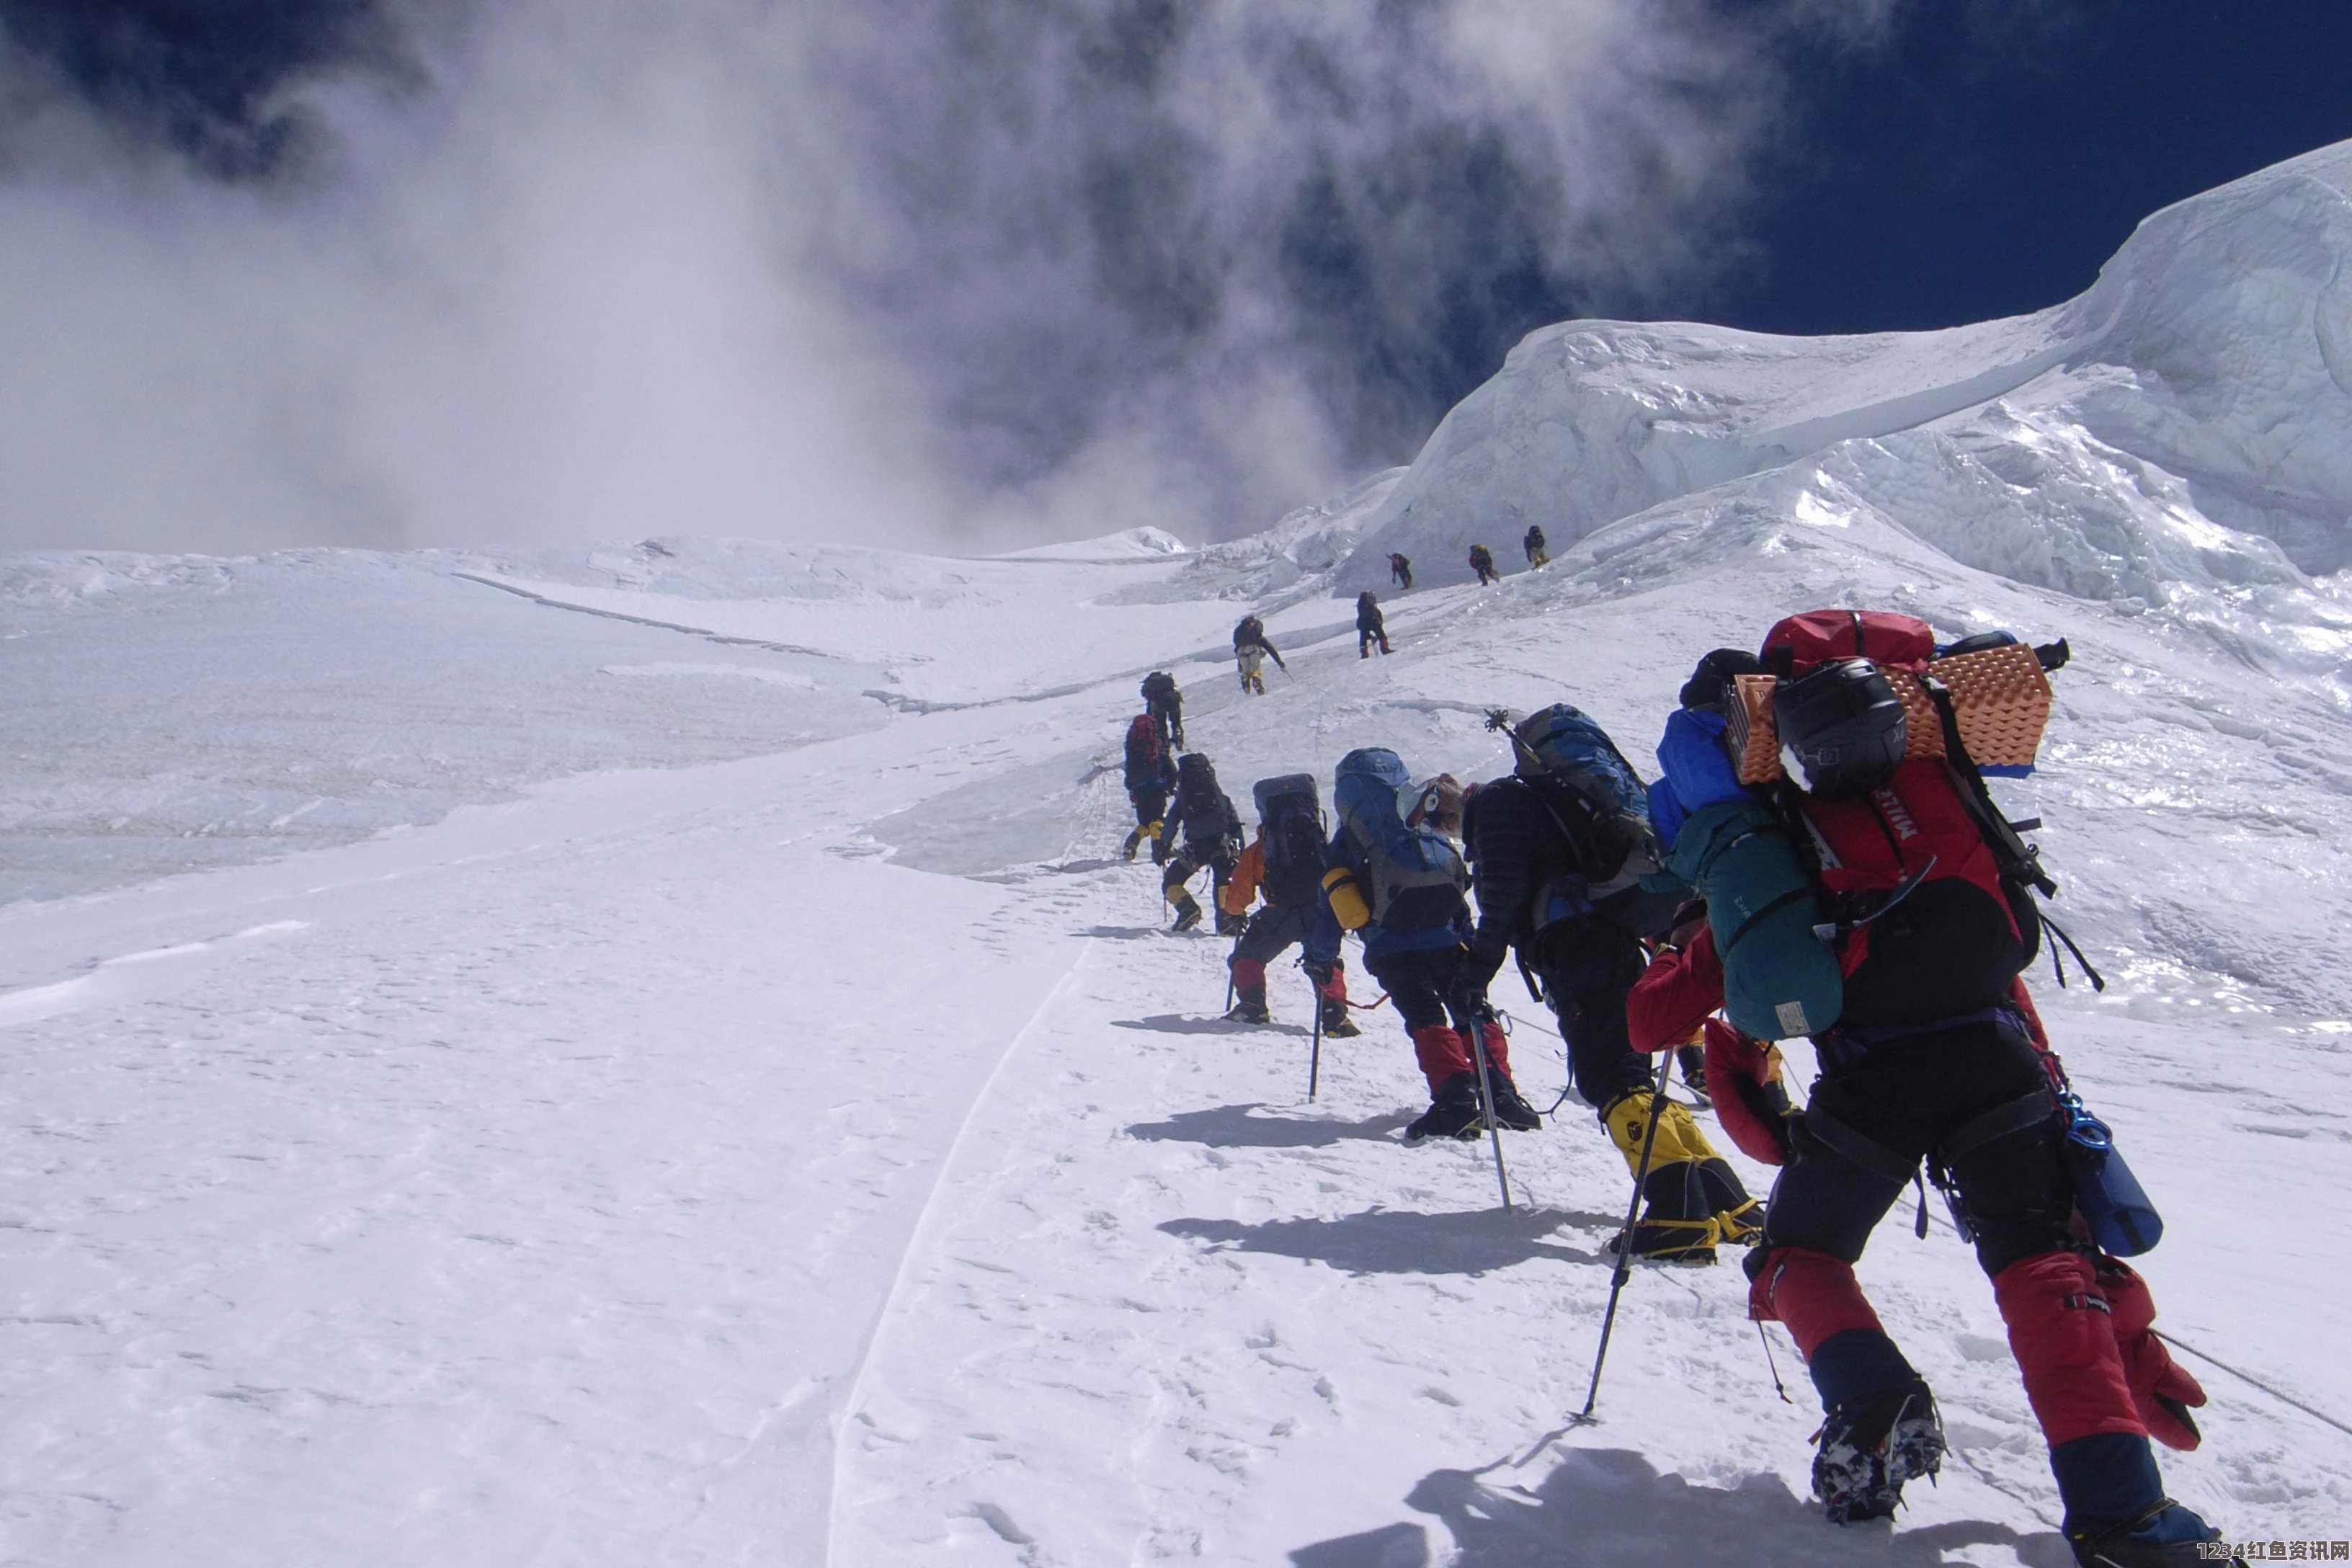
[(2212, 348)]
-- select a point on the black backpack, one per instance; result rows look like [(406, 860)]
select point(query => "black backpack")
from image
[(1207, 815), (1166, 706), (1291, 829)]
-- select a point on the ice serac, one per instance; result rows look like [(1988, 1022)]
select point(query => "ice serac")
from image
[(2233, 330), (2184, 419)]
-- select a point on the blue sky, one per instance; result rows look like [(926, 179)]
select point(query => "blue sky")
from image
[(1969, 172)]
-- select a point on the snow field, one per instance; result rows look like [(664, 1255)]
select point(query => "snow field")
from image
[(810, 1153), (520, 1206), (662, 1168)]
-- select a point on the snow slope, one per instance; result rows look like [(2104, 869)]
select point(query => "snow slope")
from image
[(2215, 348), (765, 1122)]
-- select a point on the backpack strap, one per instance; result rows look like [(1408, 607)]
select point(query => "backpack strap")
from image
[(2006, 1120), (2019, 861), (1857, 1149)]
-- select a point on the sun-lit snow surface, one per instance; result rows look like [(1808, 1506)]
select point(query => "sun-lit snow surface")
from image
[(167, 714), (2197, 394), (675, 1167)]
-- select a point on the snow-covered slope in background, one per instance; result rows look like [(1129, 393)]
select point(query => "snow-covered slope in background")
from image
[(698, 1085), (2202, 386)]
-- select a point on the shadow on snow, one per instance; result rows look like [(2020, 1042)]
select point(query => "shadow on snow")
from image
[(1401, 1241), (1233, 1127), (1609, 1507), (1185, 1024)]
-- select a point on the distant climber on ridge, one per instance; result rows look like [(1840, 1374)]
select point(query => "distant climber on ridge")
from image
[(1372, 627), (1251, 650), (1534, 545), (1401, 571), (1482, 562), (1166, 706)]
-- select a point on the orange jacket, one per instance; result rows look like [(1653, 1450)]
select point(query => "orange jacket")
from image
[(1240, 888)]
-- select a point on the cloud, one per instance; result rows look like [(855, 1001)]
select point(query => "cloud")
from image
[(977, 270)]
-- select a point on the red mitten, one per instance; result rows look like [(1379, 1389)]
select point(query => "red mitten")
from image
[(2161, 1392), (1679, 988), (1743, 1077)]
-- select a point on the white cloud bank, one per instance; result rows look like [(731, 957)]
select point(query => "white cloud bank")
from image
[(977, 270)]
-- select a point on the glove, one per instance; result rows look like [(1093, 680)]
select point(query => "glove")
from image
[(1751, 1105), (1467, 998), (2162, 1393)]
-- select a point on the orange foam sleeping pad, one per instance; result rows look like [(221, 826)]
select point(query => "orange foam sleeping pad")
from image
[(2000, 700)]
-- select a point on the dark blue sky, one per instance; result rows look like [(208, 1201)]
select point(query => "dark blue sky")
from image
[(1969, 173)]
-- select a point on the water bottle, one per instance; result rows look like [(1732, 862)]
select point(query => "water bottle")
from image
[(2123, 1222)]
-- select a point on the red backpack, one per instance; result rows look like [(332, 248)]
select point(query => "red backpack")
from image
[(1143, 766), (1929, 887)]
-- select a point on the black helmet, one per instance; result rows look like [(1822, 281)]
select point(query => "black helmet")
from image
[(1842, 730)]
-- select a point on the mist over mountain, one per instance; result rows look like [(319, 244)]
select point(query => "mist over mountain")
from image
[(386, 273)]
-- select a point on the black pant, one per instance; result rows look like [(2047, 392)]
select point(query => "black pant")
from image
[(1420, 982), (1150, 805), (1187, 863), (1908, 1097), (1272, 929), (1588, 968)]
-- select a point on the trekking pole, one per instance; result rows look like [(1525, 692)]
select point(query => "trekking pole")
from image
[(1486, 1103), (1229, 976), (1315, 1050), (1625, 1251)]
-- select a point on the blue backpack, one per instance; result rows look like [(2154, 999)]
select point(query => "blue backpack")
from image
[(1418, 878), (1592, 793)]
